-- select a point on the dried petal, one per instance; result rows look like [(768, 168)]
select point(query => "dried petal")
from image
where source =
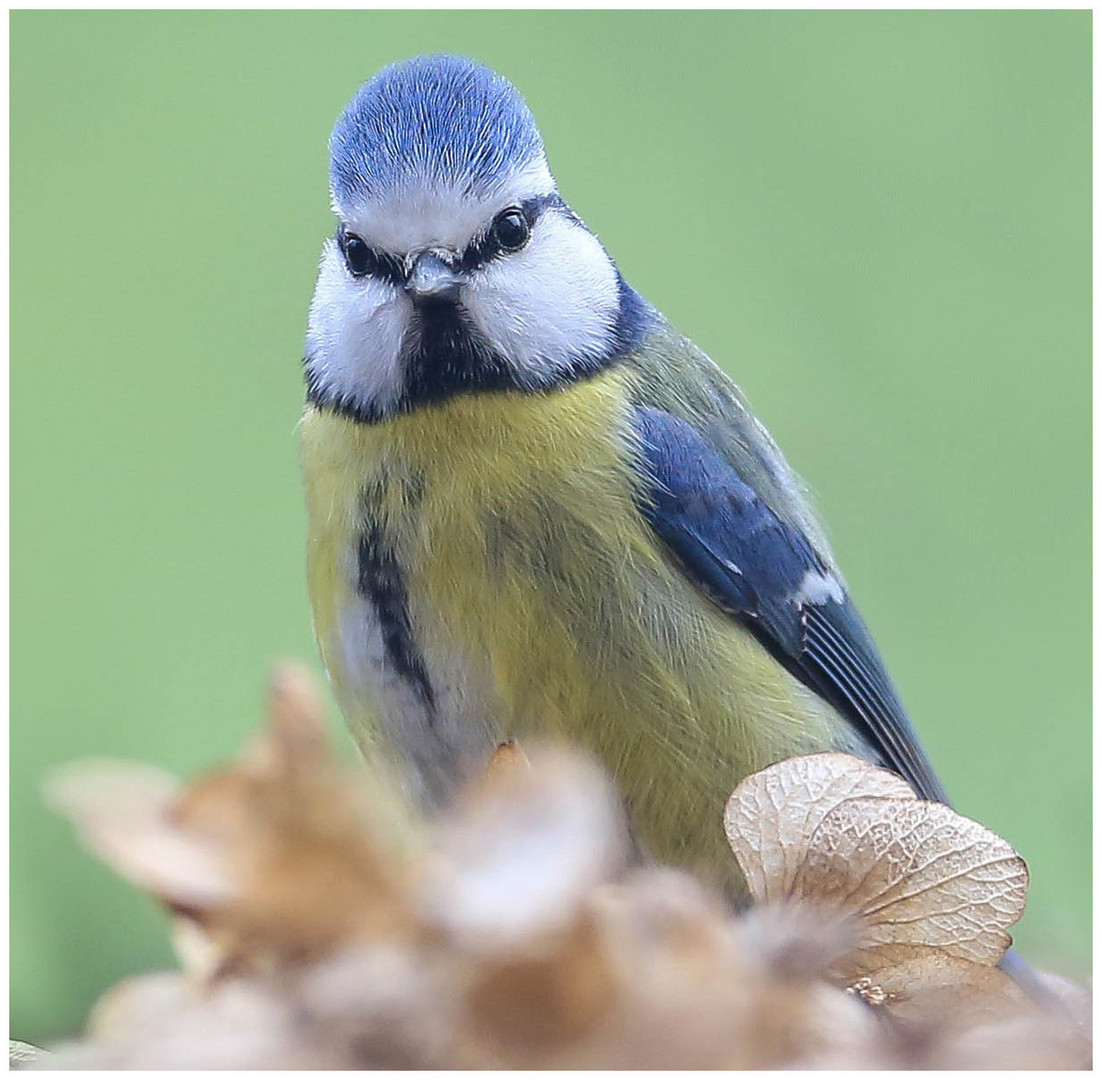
[(543, 997), (294, 739), (520, 851), (201, 958), (797, 941), (833, 831), (523, 940), (124, 813), (916, 873), (924, 986), (772, 816), (163, 1022), (382, 1006), (508, 755)]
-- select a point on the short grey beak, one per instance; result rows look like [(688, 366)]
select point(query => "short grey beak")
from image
[(432, 279)]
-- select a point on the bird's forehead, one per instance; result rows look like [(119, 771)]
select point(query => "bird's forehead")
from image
[(416, 216), (437, 142)]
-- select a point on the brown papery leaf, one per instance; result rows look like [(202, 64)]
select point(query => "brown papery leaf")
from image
[(924, 986), (275, 857), (772, 816), (125, 813), (321, 925), (294, 738), (519, 849), (309, 865), (915, 873), (545, 996)]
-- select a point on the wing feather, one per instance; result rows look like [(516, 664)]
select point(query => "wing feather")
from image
[(756, 567)]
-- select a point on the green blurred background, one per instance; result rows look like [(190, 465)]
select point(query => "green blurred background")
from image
[(877, 222)]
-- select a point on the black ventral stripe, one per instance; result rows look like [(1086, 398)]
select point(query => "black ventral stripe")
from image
[(380, 582)]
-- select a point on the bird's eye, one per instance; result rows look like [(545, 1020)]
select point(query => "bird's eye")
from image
[(510, 230), (359, 258)]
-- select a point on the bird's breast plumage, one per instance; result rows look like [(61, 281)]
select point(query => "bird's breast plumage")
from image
[(480, 569)]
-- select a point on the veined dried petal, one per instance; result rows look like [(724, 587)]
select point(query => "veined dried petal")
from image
[(915, 873), (928, 892), (772, 816)]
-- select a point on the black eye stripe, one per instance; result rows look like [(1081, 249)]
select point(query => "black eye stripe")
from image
[(365, 261), (487, 247), (362, 260)]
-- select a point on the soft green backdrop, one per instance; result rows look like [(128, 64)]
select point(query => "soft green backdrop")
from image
[(878, 222)]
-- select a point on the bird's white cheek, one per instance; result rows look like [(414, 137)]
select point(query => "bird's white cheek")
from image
[(545, 305), (355, 337)]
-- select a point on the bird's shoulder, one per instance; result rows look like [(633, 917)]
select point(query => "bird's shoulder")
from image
[(670, 374)]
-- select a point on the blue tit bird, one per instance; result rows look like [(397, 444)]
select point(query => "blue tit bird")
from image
[(537, 508)]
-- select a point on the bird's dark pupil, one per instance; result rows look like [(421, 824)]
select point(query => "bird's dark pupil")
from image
[(511, 230), (357, 254)]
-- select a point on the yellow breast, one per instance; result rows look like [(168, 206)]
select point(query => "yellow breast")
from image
[(531, 576)]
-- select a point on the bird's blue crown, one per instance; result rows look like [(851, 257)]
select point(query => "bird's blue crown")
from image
[(441, 120)]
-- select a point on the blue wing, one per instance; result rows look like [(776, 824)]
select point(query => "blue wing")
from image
[(766, 573)]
